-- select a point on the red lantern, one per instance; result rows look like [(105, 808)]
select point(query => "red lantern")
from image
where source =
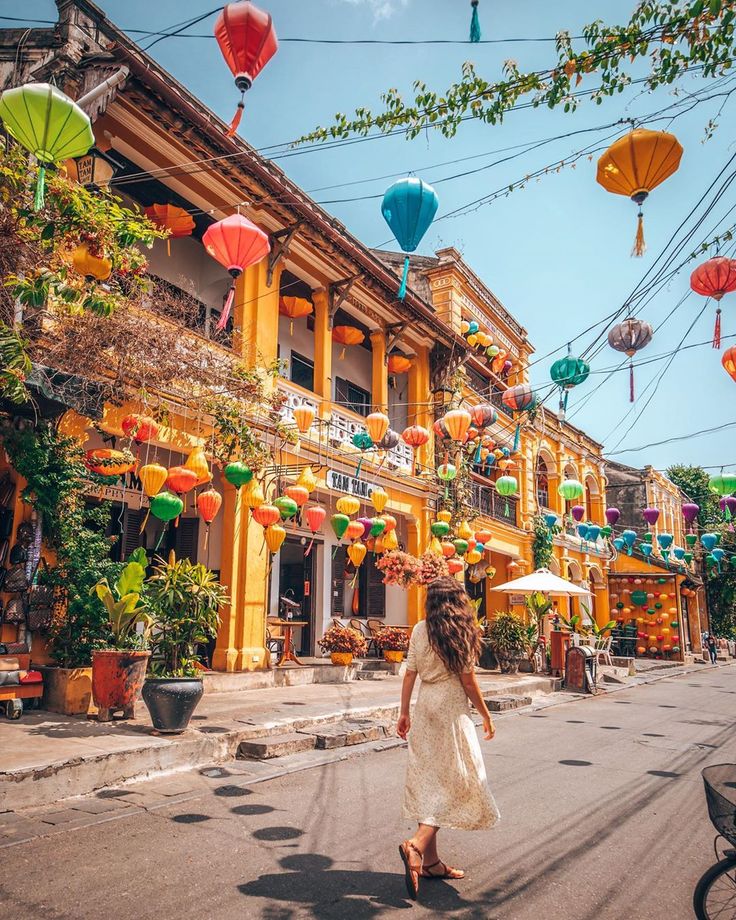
[(315, 519), (715, 278), (247, 40), (266, 515), (454, 566), (208, 504), (729, 362), (415, 436), (141, 428), (236, 243), (181, 479)]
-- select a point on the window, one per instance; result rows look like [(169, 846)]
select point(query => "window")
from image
[(352, 397), (302, 371), (542, 484)]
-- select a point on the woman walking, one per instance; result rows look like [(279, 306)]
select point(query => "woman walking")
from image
[(446, 778)]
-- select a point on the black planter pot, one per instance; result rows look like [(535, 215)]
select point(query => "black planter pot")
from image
[(171, 701), (487, 659)]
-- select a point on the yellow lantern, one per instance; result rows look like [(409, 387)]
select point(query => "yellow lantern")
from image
[(347, 504), (307, 479), (464, 530), (356, 553), (634, 165), (472, 339), (377, 425), (379, 497), (253, 494), (304, 416), (435, 547), (390, 541), (152, 477), (464, 327), (445, 516), (197, 463), (275, 536), (96, 268), (295, 308), (473, 556)]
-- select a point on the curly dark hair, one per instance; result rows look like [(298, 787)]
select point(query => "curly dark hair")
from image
[(451, 627)]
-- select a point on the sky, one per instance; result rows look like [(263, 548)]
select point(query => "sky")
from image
[(557, 253)]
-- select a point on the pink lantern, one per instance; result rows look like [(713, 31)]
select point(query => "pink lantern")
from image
[(237, 244)]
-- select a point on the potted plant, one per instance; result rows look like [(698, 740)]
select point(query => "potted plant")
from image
[(183, 599), (507, 636), (538, 607), (342, 643), (118, 671), (393, 642)]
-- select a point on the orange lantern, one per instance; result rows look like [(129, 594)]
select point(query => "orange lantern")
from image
[(140, 428), (636, 164), (94, 268), (729, 362), (377, 425), (448, 549), (346, 336), (457, 422), (106, 462), (354, 530), (181, 480), (297, 493), (169, 217), (208, 504), (483, 536), (398, 364), (197, 463), (266, 515), (415, 436), (295, 308), (304, 416), (390, 522), (454, 566)]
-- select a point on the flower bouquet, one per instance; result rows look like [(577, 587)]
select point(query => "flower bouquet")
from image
[(399, 568), (431, 567), (342, 643)]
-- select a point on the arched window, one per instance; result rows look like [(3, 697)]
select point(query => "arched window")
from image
[(542, 483)]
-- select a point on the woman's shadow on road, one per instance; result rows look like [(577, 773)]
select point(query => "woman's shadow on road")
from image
[(334, 894)]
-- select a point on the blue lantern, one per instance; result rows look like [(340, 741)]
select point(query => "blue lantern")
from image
[(718, 554), (646, 549), (583, 532), (709, 540), (629, 538), (594, 532), (473, 327), (409, 206), (679, 553), (619, 543), (550, 520)]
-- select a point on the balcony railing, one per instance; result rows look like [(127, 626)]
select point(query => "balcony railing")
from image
[(184, 308), (489, 503)]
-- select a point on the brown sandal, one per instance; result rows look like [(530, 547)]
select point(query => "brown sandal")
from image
[(411, 873), (447, 871)]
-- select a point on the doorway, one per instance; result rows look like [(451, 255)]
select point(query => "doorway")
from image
[(296, 584)]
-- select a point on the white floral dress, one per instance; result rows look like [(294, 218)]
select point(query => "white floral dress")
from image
[(446, 782)]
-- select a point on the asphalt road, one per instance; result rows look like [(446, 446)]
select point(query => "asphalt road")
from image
[(603, 816)]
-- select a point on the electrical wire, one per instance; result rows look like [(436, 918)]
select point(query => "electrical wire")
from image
[(681, 437)]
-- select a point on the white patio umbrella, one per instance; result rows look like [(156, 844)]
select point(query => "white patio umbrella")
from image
[(544, 582)]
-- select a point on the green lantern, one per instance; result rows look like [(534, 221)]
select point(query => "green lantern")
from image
[(691, 539), (724, 483), (506, 486), (48, 124), (606, 531), (447, 472), (567, 373), (166, 506), (688, 557), (461, 546), (620, 605), (287, 506), (639, 598), (440, 528), (238, 473), (339, 523), (646, 538), (570, 489), (378, 525)]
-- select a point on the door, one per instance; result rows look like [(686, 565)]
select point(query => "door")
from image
[(296, 583)]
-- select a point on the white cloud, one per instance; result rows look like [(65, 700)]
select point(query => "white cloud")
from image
[(381, 9)]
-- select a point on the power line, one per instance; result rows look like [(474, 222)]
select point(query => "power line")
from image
[(682, 437)]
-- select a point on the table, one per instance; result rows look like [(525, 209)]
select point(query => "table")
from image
[(288, 653)]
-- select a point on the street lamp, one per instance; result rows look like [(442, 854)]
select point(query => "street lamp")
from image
[(93, 171)]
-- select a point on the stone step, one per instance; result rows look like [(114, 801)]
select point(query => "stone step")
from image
[(506, 703), (276, 746), (372, 675), (346, 734)]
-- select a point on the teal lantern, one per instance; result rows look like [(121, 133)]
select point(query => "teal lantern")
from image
[(363, 441), (409, 207), (665, 542), (646, 549), (629, 538), (507, 486), (48, 124), (709, 540), (718, 555), (567, 373), (550, 519)]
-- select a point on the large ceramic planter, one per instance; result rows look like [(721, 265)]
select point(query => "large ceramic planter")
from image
[(341, 658), (67, 690), (171, 701), (117, 679), (392, 655)]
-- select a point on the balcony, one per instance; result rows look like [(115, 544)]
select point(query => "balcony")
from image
[(490, 504), (183, 308)]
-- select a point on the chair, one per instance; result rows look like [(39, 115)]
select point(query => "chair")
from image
[(602, 650), (362, 628), (274, 643)]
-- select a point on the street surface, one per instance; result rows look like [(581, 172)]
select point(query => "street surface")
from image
[(603, 816)]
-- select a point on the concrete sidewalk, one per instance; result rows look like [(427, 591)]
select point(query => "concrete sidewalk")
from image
[(47, 757)]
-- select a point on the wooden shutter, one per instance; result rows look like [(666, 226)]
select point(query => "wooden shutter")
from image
[(337, 586), (132, 537), (187, 534), (376, 590)]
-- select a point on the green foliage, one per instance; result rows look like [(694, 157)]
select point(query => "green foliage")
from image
[(572, 625), (52, 466), (720, 586), (674, 38), (507, 635), (15, 365), (183, 599), (124, 602), (542, 546)]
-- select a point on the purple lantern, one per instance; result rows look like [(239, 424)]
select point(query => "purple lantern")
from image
[(578, 512), (612, 516), (367, 524), (651, 515), (690, 511)]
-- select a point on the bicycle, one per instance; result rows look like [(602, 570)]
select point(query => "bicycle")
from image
[(714, 897)]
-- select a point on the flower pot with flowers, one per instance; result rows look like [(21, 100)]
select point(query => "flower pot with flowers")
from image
[(393, 642), (183, 599), (342, 643), (399, 568)]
